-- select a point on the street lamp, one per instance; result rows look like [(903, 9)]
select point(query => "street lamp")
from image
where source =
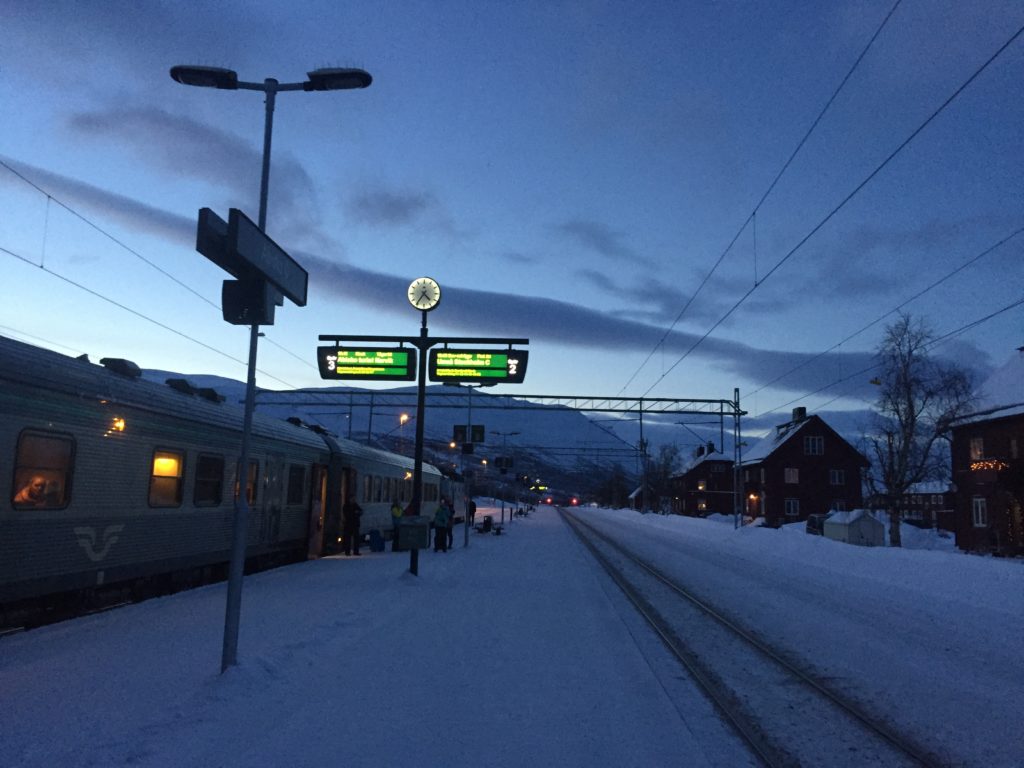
[(227, 79), (504, 450)]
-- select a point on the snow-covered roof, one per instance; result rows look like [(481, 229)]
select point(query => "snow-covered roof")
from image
[(766, 446), (850, 516), (930, 486), (1002, 393), (698, 460)]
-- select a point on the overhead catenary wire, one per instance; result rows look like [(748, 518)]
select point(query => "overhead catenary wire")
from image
[(752, 218), (856, 375), (50, 198), (934, 284), (863, 183)]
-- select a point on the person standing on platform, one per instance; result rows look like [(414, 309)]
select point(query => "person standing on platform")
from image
[(350, 514), (471, 511), (449, 531), (396, 519), (441, 527)]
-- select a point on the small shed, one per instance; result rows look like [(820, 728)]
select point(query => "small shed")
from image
[(857, 526)]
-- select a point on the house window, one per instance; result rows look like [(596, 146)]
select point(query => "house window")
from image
[(814, 445), (762, 475), (42, 471), (702, 504), (977, 448), (937, 499), (792, 475), (979, 510), (209, 480), (839, 505), (1013, 448), (702, 485), (165, 479), (721, 467), (837, 477), (792, 507), (296, 483), (746, 475)]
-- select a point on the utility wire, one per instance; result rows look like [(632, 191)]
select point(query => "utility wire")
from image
[(102, 231), (81, 217), (841, 204), (892, 311), (137, 313), (864, 371), (753, 213)]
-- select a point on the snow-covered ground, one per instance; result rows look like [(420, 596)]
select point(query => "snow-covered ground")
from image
[(512, 652)]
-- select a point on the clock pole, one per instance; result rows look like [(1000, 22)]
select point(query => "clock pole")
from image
[(417, 472)]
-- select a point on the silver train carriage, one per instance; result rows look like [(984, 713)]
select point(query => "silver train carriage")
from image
[(117, 485)]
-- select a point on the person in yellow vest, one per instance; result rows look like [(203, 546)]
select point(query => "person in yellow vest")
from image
[(396, 517)]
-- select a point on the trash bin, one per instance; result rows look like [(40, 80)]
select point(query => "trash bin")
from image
[(488, 523), (414, 532)]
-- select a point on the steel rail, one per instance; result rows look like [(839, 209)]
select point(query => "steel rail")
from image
[(905, 746)]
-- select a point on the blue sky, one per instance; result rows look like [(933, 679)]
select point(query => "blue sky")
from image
[(570, 172)]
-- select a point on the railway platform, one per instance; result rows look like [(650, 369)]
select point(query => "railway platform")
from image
[(514, 651)]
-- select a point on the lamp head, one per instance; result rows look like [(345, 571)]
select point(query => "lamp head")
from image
[(337, 79), (206, 77)]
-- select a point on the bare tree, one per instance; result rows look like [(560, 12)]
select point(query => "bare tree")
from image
[(920, 396)]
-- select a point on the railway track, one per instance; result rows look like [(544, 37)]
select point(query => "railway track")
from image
[(786, 715)]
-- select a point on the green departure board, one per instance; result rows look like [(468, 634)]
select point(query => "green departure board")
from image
[(375, 363), (506, 366)]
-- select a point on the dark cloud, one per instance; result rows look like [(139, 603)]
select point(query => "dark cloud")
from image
[(599, 238), (183, 147), (477, 312), (390, 208)]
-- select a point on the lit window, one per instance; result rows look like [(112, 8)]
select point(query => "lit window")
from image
[(977, 448), (166, 479), (979, 510), (792, 475), (251, 484), (42, 471), (702, 485)]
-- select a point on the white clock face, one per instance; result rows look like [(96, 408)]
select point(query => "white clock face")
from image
[(424, 293)]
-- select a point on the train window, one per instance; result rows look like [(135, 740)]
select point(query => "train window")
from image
[(296, 483), (165, 479), (42, 470), (376, 487), (209, 490), (367, 488), (430, 493)]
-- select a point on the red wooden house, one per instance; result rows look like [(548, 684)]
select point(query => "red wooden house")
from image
[(804, 468), (705, 486), (988, 469)]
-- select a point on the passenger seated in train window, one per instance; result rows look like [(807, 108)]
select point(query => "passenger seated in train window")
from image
[(32, 494)]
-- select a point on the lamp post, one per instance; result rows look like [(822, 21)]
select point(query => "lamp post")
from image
[(469, 439), (504, 450), (227, 79)]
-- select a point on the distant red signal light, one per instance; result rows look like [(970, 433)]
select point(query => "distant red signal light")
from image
[(548, 500), (574, 501)]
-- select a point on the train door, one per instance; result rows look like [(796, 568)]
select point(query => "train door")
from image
[(318, 506), (273, 499)]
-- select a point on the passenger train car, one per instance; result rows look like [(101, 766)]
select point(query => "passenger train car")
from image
[(118, 488)]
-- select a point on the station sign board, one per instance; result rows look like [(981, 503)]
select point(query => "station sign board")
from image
[(505, 366), (367, 363)]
